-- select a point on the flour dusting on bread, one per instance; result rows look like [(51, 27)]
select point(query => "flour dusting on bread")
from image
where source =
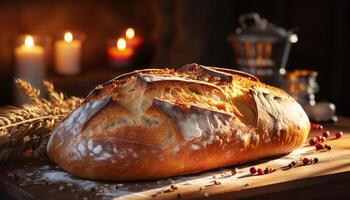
[(156, 123)]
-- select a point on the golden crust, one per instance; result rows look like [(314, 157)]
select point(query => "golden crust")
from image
[(159, 123)]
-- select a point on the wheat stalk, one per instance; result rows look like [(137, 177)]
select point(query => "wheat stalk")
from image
[(27, 128)]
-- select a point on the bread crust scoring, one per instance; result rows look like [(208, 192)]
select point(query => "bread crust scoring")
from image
[(159, 123)]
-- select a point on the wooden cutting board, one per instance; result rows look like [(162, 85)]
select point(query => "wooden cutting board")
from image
[(32, 179)]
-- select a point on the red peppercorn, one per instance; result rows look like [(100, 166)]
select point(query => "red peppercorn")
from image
[(339, 134), (316, 126), (313, 141), (323, 139), (271, 169), (234, 171), (328, 147), (326, 134), (320, 138), (306, 161), (260, 171), (318, 146), (252, 170)]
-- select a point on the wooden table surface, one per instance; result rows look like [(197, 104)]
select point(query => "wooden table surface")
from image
[(327, 179)]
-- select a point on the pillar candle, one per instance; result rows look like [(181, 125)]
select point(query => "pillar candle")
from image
[(68, 55), (30, 65)]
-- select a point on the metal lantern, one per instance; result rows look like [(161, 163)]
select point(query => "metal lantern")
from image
[(261, 48)]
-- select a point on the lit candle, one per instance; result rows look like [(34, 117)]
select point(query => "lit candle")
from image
[(121, 54), (30, 64), (68, 55), (133, 40)]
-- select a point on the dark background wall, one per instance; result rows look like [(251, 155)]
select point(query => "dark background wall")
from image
[(186, 31)]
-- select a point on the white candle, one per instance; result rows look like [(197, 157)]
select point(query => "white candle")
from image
[(30, 64), (67, 55)]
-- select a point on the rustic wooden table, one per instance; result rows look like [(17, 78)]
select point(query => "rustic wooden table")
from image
[(328, 179)]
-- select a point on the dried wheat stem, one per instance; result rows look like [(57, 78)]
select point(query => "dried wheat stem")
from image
[(31, 120), (28, 127)]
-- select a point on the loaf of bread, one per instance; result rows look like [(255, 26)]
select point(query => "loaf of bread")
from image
[(157, 123)]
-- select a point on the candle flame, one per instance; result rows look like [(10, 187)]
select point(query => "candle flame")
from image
[(130, 33), (28, 41), (293, 38), (68, 37), (121, 44)]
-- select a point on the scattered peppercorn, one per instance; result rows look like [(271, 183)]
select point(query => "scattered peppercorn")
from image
[(266, 171), (326, 134), (320, 138), (313, 126), (173, 187), (271, 170), (293, 163), (316, 126), (318, 146), (260, 171), (313, 141), (252, 170), (234, 171), (328, 147), (339, 134), (290, 166), (315, 160), (216, 182), (306, 161)]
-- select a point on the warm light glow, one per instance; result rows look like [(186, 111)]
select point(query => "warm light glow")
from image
[(121, 44), (68, 37), (28, 41), (130, 33), (293, 38)]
